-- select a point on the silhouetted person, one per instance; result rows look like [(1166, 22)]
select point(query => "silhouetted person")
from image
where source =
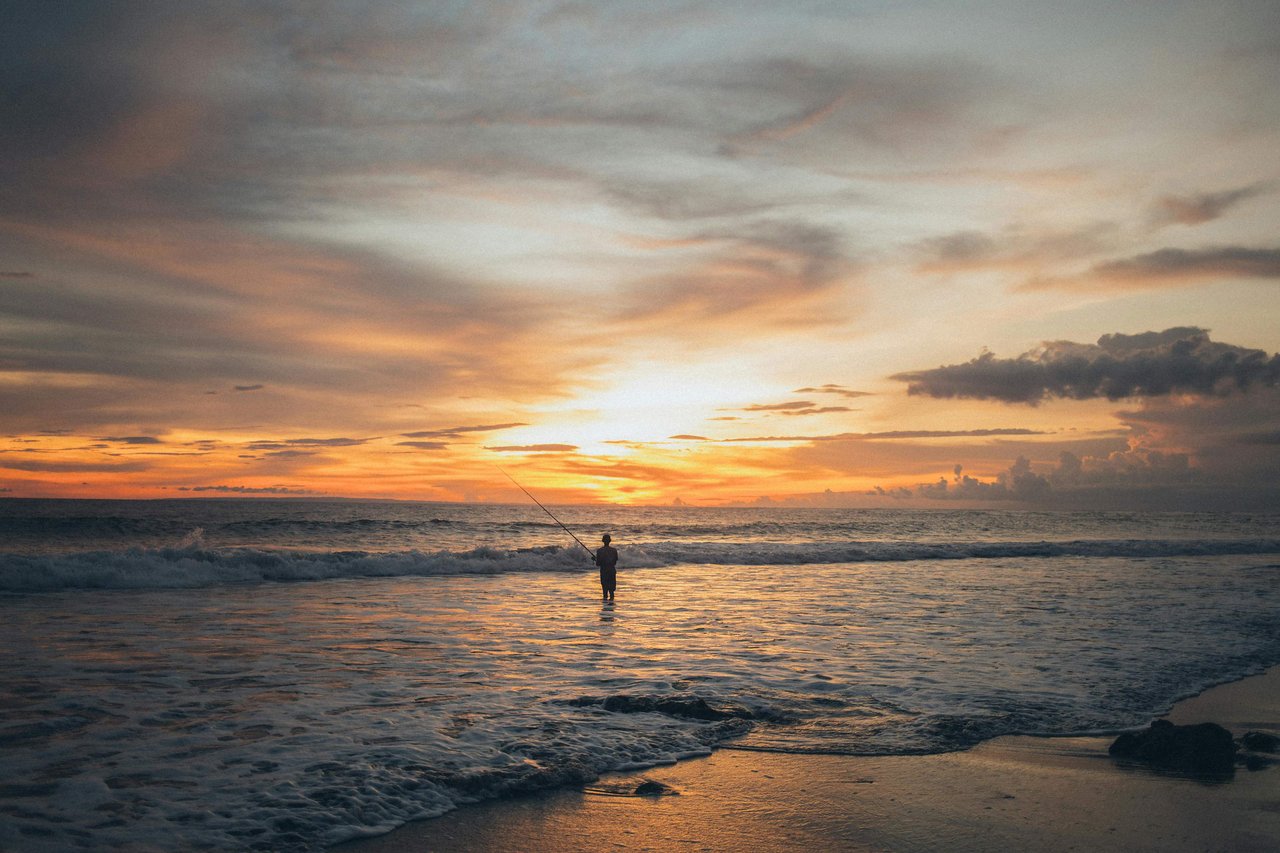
[(607, 559)]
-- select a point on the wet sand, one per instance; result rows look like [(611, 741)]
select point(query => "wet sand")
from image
[(1011, 793)]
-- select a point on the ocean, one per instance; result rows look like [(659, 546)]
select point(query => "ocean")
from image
[(237, 674)]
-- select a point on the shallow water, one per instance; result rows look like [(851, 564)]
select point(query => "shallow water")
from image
[(245, 713)]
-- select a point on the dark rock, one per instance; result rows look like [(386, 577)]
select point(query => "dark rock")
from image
[(1260, 742), (650, 788), (1201, 748), (690, 707)]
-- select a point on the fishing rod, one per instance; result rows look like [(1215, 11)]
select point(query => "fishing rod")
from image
[(548, 512)]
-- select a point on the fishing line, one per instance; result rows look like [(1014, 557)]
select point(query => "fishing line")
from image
[(548, 512)]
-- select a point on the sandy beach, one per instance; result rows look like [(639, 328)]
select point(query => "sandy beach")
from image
[(1011, 793)]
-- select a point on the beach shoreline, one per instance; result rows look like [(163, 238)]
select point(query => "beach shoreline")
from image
[(1012, 792)]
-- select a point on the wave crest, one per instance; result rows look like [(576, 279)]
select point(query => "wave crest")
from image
[(192, 565)]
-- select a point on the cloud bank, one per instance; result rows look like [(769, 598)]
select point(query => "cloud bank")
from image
[(1181, 360)]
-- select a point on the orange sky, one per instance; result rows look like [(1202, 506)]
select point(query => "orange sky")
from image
[(831, 254)]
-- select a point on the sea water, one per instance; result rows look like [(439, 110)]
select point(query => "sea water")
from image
[(284, 675)]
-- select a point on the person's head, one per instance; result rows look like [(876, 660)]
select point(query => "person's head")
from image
[(606, 539)]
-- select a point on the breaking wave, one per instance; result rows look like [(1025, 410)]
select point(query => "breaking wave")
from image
[(192, 565)]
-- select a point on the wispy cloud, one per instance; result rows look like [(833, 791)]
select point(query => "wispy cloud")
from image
[(249, 490), (1018, 249), (132, 439), (1168, 267), (795, 405), (277, 444), (891, 435), (72, 466), (459, 431), (831, 388), (1198, 208), (1175, 264)]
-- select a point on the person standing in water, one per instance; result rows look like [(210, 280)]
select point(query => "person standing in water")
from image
[(607, 559)]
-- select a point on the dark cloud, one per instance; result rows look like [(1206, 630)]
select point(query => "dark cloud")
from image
[(1072, 480), (779, 407), (291, 454), (248, 490), (796, 408), (7, 274), (1271, 437), (1204, 207), (1165, 264), (686, 437), (1226, 436), (423, 445), (307, 442), (458, 431), (72, 466), (132, 439), (247, 388), (535, 448), (1179, 360), (1019, 483), (892, 435)]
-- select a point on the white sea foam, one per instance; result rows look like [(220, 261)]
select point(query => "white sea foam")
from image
[(193, 566)]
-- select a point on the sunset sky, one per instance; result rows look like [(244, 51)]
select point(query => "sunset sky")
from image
[(848, 253)]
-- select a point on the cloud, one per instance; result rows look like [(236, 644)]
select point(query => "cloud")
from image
[(1019, 482), (830, 388), (779, 407), (423, 445), (892, 435), (1199, 208), (1017, 248), (795, 408), (1176, 361), (291, 454), (535, 448), (798, 106), (247, 387), (306, 442), (818, 410), (1166, 267), (132, 439), (458, 431), (776, 270), (1228, 438), (1174, 264), (1074, 480), (9, 274), (249, 490), (72, 466)]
